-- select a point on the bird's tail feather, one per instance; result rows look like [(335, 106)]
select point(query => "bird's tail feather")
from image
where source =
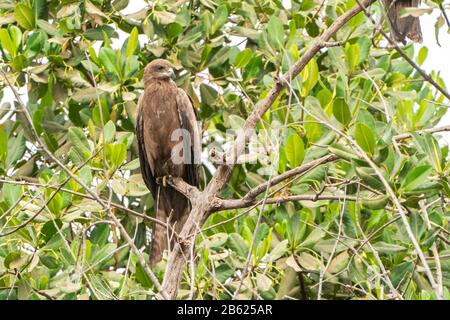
[(171, 208)]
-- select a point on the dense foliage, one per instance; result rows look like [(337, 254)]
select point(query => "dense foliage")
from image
[(77, 66)]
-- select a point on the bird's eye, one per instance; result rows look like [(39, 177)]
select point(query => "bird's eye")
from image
[(160, 68)]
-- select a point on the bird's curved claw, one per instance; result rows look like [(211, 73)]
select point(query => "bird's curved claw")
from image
[(163, 180)]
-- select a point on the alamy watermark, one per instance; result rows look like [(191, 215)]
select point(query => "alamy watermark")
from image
[(255, 146)]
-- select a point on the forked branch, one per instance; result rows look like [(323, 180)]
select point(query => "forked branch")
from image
[(205, 200)]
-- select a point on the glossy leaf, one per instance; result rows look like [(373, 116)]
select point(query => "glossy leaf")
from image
[(295, 150), (365, 137)]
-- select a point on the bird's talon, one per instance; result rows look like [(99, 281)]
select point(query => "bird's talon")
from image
[(163, 180)]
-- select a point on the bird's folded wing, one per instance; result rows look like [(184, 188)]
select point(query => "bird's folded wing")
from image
[(188, 121), (146, 170)]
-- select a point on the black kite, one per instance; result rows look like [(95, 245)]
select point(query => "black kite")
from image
[(165, 111)]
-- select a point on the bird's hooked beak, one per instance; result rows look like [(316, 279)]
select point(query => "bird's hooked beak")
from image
[(169, 74)]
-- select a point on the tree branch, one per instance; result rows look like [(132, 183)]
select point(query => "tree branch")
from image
[(241, 203), (251, 195), (405, 136), (204, 202)]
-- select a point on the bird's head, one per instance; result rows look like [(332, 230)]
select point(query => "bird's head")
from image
[(159, 69)]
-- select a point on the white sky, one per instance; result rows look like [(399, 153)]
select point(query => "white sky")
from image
[(438, 57)]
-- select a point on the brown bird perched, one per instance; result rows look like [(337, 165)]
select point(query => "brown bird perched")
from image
[(408, 26), (169, 145)]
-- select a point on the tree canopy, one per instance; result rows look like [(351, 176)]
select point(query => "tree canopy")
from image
[(341, 193)]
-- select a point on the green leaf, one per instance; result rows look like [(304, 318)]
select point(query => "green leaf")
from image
[(342, 151), (208, 94), (136, 186), (312, 105), (223, 272), (24, 290), (16, 148), (142, 277), (352, 52), (131, 165), (109, 131), (24, 16), (365, 137), (416, 177), (440, 21), (365, 44), (384, 247), (78, 139), (216, 241), (56, 204), (102, 253), (310, 76), (427, 145), (308, 261), (49, 229), (131, 67), (11, 193), (243, 58), (120, 4), (40, 9), (275, 32), (98, 33), (414, 12), (263, 282), (236, 122), (237, 244), (189, 39), (370, 178), (220, 18), (116, 154), (295, 150), (133, 42), (375, 203), (36, 41), (401, 272), (49, 28), (19, 63), (164, 17), (339, 262), (341, 111), (278, 251), (423, 53), (12, 259), (3, 145), (86, 94), (313, 237), (296, 228), (147, 27), (108, 59), (11, 39), (93, 10)]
